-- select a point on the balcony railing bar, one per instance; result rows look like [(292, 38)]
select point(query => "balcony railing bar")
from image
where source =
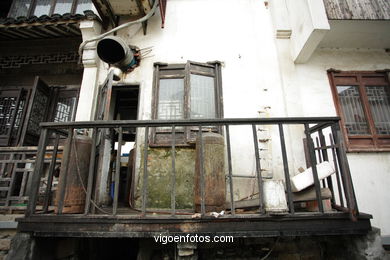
[(12, 184), (190, 122), (326, 158), (202, 177), (345, 173), (313, 164), (117, 171), (333, 149), (286, 171), (91, 171), (51, 173), (173, 174), (37, 170), (319, 155), (64, 176), (326, 147), (230, 168), (338, 152), (145, 179), (258, 169)]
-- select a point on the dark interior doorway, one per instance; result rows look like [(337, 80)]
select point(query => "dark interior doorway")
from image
[(125, 100), (126, 108)]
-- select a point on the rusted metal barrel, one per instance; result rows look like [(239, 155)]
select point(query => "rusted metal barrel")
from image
[(74, 200), (214, 174)]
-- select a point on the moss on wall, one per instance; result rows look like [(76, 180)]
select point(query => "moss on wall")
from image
[(159, 178)]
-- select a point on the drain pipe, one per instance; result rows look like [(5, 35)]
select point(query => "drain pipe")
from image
[(101, 36)]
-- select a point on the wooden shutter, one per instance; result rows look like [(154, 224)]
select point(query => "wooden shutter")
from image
[(9, 106), (37, 112)]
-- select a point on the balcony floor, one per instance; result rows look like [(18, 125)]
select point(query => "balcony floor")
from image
[(243, 225)]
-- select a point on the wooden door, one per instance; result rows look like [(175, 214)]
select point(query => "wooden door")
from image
[(37, 112), (10, 110)]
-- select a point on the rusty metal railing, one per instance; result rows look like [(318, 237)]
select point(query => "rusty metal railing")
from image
[(318, 148)]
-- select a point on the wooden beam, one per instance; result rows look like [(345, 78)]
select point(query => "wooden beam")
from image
[(17, 34), (69, 29), (105, 11), (337, 224)]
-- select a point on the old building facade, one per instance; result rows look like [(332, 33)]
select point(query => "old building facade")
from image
[(260, 119)]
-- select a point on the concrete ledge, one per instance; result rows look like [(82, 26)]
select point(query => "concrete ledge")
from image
[(8, 224), (8, 221)]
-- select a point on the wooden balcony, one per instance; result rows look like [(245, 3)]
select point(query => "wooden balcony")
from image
[(47, 213)]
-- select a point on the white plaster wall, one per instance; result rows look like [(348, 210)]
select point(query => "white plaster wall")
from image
[(258, 71), (371, 176), (309, 24), (237, 33), (308, 93)]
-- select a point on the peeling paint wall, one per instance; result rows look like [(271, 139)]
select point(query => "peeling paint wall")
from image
[(308, 93), (258, 71), (250, 76), (159, 165)]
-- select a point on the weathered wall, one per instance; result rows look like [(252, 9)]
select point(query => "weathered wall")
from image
[(250, 72), (257, 73), (309, 24), (159, 165), (308, 94)]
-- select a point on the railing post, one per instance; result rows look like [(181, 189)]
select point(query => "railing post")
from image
[(145, 177), (13, 179), (326, 158), (258, 170), (117, 171), (286, 171), (173, 174), (202, 173), (64, 174), (229, 154), (318, 148), (91, 172), (313, 163), (38, 168), (335, 162), (345, 174), (51, 171)]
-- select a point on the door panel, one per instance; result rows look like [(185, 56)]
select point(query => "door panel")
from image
[(104, 99), (10, 101), (37, 112)]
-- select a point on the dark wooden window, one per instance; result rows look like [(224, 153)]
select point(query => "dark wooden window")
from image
[(12, 104), (363, 102), (65, 106), (23, 108), (48, 7), (185, 91)]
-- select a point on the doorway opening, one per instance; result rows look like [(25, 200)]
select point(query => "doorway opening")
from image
[(124, 106)]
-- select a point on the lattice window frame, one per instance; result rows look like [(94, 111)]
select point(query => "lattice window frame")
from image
[(373, 141)]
